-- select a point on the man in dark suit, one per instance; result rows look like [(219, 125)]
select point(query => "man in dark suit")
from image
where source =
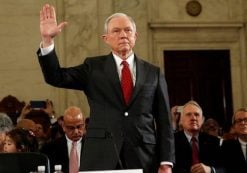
[(235, 150), (59, 150), (207, 157), (133, 134)]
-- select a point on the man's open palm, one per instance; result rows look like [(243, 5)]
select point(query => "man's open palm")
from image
[(48, 23)]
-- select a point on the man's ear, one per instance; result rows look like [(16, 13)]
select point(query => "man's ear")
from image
[(104, 38), (203, 118), (136, 34)]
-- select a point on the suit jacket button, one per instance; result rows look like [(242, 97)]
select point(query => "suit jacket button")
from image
[(126, 114)]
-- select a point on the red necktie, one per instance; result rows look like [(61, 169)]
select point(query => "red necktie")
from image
[(73, 160), (126, 82), (195, 151)]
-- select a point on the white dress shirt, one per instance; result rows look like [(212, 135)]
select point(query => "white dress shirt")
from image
[(132, 66), (243, 147)]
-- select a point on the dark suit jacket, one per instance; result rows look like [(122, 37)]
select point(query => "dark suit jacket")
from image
[(113, 125), (57, 152), (234, 159), (209, 152)]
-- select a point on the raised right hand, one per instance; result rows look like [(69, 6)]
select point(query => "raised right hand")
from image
[(48, 25)]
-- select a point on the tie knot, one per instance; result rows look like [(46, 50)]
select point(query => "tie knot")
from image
[(74, 143), (193, 139), (124, 63)]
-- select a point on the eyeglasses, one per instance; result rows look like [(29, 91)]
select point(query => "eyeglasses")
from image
[(78, 127), (241, 120)]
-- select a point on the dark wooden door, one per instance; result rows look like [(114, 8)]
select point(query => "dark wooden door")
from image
[(203, 76)]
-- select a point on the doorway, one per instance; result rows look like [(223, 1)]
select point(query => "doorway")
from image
[(203, 76)]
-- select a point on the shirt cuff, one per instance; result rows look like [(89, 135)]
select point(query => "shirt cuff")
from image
[(46, 50), (213, 170), (167, 163)]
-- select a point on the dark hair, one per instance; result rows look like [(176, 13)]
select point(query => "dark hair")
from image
[(40, 117), (24, 140), (56, 130)]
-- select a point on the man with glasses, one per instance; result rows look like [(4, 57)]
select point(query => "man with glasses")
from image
[(235, 150), (61, 150)]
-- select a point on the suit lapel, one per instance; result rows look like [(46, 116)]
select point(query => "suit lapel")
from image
[(111, 73), (241, 154), (64, 147), (140, 77)]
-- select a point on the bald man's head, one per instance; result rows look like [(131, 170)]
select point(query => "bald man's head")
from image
[(74, 123), (73, 113)]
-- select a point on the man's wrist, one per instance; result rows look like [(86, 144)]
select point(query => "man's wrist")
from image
[(46, 42), (165, 168), (47, 50)]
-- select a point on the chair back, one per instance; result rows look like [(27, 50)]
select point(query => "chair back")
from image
[(23, 162)]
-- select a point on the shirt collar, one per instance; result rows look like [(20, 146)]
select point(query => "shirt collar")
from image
[(242, 142), (130, 60), (70, 141), (188, 136)]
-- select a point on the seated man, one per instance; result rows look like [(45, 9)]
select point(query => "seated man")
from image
[(61, 151), (195, 151), (235, 150)]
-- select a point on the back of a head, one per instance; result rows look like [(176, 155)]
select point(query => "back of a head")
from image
[(40, 117), (26, 124), (6, 123)]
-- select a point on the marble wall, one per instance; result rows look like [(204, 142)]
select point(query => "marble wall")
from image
[(162, 24)]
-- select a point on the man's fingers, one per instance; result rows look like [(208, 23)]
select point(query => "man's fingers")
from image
[(62, 25), (52, 12), (47, 11), (43, 12), (41, 17)]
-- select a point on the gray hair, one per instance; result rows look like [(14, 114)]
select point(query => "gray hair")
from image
[(118, 15), (6, 123), (244, 109), (194, 103)]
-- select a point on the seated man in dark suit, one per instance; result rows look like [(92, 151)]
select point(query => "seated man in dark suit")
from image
[(235, 150), (195, 151), (66, 151)]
